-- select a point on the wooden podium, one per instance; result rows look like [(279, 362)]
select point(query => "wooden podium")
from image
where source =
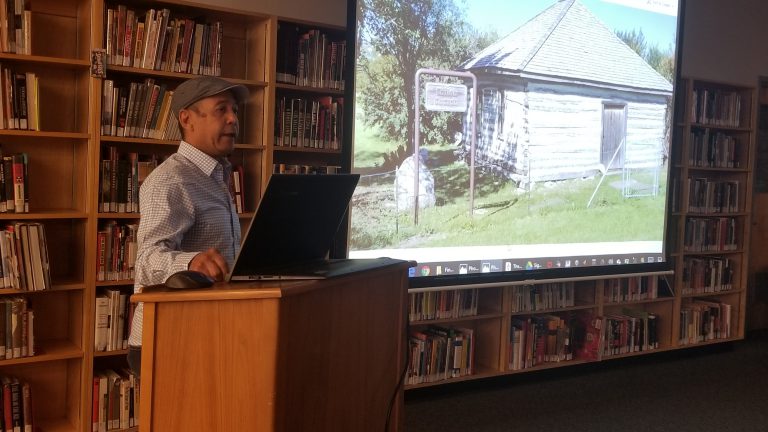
[(277, 356)]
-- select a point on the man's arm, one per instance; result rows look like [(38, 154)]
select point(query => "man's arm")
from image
[(167, 213)]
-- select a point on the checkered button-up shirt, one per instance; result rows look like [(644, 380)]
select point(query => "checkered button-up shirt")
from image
[(186, 208)]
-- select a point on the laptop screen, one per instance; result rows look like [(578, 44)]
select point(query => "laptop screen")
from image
[(296, 220)]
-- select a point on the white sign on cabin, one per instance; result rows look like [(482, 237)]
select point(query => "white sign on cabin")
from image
[(445, 97)]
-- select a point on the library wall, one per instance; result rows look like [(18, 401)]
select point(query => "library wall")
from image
[(720, 40), (718, 34), (326, 12)]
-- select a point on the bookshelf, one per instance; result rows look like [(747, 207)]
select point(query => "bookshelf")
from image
[(310, 65), (66, 162), (713, 178), (637, 314), (507, 319), (757, 299)]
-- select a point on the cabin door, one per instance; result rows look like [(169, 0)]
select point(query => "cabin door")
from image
[(613, 146)]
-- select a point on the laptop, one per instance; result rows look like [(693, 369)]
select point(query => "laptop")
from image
[(291, 233)]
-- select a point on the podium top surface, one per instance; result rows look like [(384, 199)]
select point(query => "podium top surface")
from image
[(261, 289)]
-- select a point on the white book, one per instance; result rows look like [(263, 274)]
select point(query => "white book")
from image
[(103, 401), (101, 323)]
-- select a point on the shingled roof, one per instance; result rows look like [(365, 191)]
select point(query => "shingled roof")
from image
[(567, 42)]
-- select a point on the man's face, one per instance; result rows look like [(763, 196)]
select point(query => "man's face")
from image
[(211, 124)]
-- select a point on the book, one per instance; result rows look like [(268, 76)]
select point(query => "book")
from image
[(26, 400), (35, 257), (33, 101), (19, 183), (101, 323), (95, 403), (10, 202)]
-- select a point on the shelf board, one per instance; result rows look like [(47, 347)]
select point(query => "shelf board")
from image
[(43, 134), (113, 353), (176, 75), (306, 150), (720, 127), (308, 89), (459, 319), (45, 60), (55, 288), (46, 214), (629, 354), (485, 373), (554, 310), (718, 169), (711, 294), (715, 253), (133, 140), (54, 425), (637, 302), (114, 283), (123, 215), (174, 143), (709, 342), (549, 365), (48, 351), (713, 215)]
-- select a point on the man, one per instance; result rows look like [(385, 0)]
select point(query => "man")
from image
[(188, 220)]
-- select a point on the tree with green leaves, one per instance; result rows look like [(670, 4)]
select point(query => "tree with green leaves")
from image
[(402, 36)]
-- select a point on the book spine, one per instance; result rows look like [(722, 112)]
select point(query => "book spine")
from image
[(18, 183)]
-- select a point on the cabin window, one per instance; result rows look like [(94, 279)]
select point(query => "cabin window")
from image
[(492, 115)]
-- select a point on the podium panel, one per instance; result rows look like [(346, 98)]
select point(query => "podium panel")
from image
[(276, 356)]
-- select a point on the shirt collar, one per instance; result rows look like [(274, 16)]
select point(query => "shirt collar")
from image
[(200, 159)]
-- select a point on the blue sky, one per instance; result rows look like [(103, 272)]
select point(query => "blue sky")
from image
[(507, 15)]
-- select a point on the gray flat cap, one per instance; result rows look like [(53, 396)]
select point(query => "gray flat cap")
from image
[(192, 90)]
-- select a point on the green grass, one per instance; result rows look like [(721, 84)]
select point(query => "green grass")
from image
[(370, 147), (549, 214)]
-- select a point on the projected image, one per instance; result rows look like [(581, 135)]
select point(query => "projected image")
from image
[(503, 136)]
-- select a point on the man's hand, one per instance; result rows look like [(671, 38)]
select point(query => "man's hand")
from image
[(211, 263)]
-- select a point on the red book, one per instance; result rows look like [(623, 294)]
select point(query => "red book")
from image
[(95, 408), (18, 183)]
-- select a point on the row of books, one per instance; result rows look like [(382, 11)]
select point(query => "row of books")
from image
[(15, 27), (116, 395), (439, 353), (713, 196), (14, 183), (138, 110), (16, 407), (116, 247), (113, 312), (17, 322), (309, 123), (237, 187), (540, 339), (711, 234), (431, 305), (704, 320), (24, 257), (19, 100), (283, 168), (716, 107), (121, 176), (154, 40), (537, 340), (713, 149), (528, 298), (618, 290), (630, 331), (707, 275), (310, 58)]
